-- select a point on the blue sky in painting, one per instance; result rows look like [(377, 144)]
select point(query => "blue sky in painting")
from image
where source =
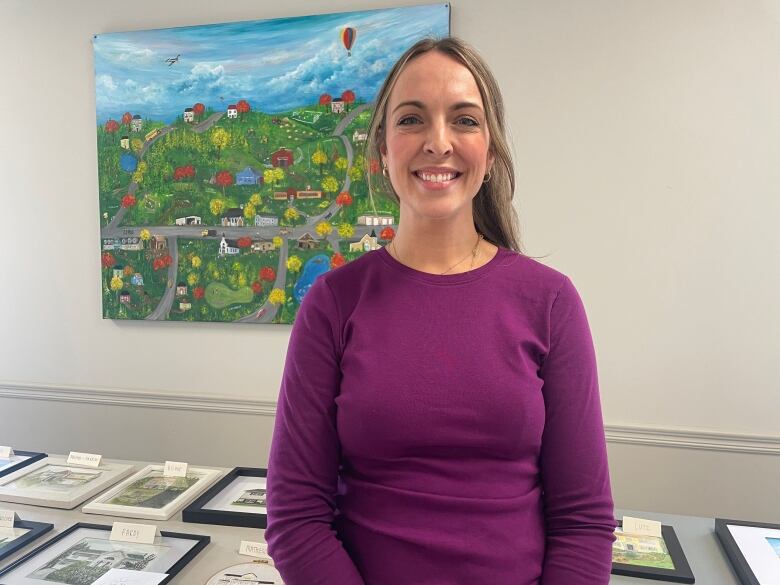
[(276, 65)]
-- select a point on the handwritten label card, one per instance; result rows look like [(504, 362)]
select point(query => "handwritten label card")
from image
[(84, 459), (126, 577), (6, 452), (126, 532), (641, 526), (254, 549), (7, 518), (175, 469)]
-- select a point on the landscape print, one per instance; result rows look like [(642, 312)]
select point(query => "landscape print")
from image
[(231, 163), (90, 558), (56, 478), (645, 551), (155, 490)]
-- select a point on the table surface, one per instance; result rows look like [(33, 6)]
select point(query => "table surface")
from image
[(697, 537)]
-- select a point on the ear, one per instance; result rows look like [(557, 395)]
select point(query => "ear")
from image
[(490, 160)]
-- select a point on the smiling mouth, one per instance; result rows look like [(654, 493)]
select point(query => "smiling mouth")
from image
[(437, 178)]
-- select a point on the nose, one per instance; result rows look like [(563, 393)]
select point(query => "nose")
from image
[(438, 141)]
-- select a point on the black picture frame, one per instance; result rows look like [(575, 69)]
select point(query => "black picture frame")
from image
[(736, 557), (36, 530), (195, 512), (680, 574), (33, 457), (201, 543)]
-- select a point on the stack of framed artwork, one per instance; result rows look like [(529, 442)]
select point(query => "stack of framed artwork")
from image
[(753, 548), (18, 460), (151, 495), (54, 483), (85, 552), (650, 557), (239, 499)]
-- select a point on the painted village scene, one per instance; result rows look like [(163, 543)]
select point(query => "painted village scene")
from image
[(231, 163)]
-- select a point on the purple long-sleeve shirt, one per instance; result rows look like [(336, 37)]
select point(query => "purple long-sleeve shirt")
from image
[(440, 430)]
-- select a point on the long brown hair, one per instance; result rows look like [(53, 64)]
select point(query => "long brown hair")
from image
[(494, 215)]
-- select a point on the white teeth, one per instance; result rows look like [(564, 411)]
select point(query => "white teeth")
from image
[(440, 178)]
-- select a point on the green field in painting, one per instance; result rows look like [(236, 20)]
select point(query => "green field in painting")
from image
[(220, 296)]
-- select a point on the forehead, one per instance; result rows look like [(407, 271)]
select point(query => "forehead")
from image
[(435, 78)]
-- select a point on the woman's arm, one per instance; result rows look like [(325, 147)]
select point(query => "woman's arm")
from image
[(578, 505), (305, 451)]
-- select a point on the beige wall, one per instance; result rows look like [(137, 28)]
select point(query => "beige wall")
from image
[(647, 139)]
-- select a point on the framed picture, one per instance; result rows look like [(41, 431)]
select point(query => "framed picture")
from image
[(753, 548), (650, 557), (22, 534), (249, 573), (20, 459), (150, 494), (84, 552), (238, 499), (53, 483)]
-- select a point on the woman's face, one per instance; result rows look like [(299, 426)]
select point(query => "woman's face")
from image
[(436, 136)]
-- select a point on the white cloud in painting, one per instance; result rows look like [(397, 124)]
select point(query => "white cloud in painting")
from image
[(105, 82), (138, 56)]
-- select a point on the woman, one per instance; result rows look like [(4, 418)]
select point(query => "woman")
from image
[(439, 419)]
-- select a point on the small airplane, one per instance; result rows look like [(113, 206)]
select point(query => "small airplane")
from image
[(170, 61)]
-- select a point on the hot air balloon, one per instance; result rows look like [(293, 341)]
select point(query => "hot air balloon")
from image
[(348, 35)]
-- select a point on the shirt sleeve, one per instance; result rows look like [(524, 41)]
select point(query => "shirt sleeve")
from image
[(577, 498), (305, 451)]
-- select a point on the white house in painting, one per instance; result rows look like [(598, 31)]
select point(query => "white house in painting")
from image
[(189, 115), (359, 136), (124, 142), (189, 220), (232, 111), (263, 219), (364, 244), (228, 247), (337, 106), (136, 123), (233, 217), (375, 220), (263, 246)]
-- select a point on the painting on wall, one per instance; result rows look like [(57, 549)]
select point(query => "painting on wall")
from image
[(231, 162)]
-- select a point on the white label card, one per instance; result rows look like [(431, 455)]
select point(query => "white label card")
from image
[(85, 459), (7, 518), (6, 452), (641, 526), (126, 532), (126, 577), (175, 469), (254, 549)]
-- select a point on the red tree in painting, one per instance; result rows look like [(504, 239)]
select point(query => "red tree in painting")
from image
[(128, 200), (185, 172), (198, 109), (127, 117), (244, 242), (267, 274), (107, 259), (242, 107), (111, 126), (344, 198), (348, 97), (224, 179), (199, 292), (257, 288), (325, 99), (337, 260), (387, 233), (373, 166)]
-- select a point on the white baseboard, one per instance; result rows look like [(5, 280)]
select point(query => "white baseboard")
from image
[(625, 434)]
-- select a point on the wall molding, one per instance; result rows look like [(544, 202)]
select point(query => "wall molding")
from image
[(619, 434), (138, 398)]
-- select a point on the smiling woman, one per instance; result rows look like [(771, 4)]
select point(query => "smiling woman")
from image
[(439, 417)]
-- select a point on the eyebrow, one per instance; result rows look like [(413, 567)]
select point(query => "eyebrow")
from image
[(419, 104)]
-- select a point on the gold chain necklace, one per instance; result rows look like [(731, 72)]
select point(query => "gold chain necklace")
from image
[(473, 254)]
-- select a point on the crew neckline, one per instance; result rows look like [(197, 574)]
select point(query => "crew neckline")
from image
[(442, 279)]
